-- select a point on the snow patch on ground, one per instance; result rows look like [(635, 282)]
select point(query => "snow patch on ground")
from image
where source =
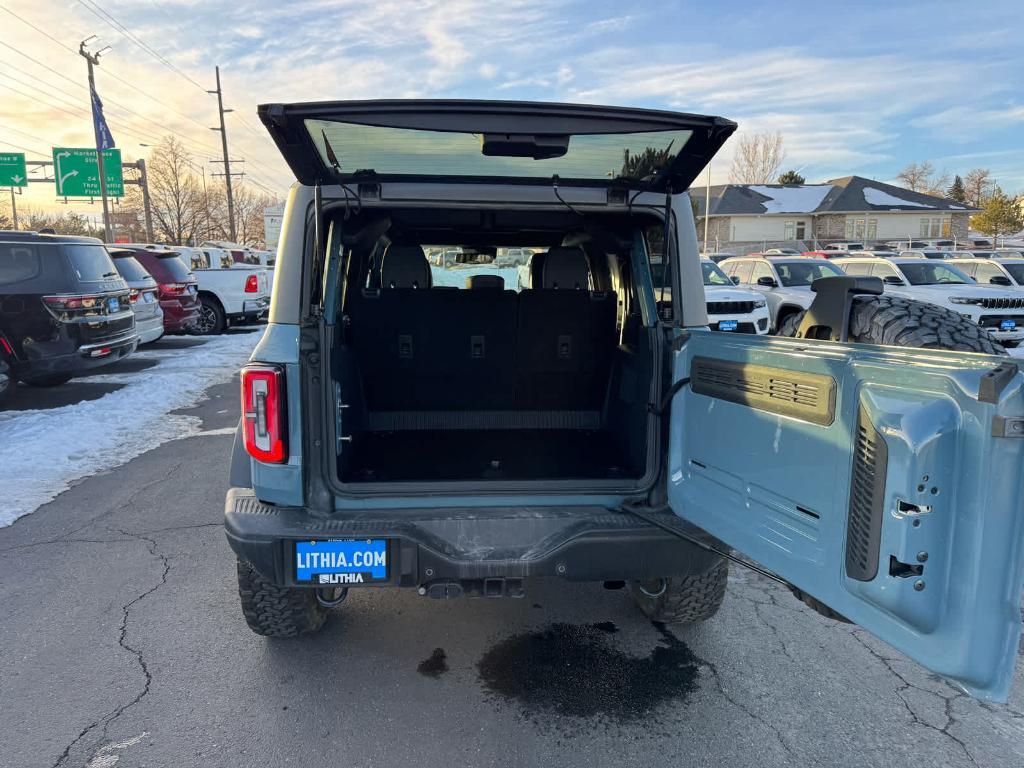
[(1016, 352), (803, 199), (45, 451), (878, 197)]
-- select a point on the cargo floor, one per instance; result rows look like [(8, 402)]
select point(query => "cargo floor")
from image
[(542, 454)]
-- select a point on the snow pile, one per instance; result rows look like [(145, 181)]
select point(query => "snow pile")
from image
[(878, 197), (802, 199), (45, 451), (1016, 352)]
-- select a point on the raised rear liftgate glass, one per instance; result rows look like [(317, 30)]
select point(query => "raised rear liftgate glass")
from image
[(408, 152)]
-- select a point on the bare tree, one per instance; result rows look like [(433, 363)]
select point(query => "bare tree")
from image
[(978, 185), (757, 158), (249, 206), (921, 177), (175, 192)]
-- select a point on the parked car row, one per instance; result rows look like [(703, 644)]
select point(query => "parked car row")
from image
[(989, 292), (68, 304)]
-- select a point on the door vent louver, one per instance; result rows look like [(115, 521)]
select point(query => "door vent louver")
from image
[(867, 497), (805, 396)]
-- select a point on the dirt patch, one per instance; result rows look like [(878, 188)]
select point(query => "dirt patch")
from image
[(435, 665)]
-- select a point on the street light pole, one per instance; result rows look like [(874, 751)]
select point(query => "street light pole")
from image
[(227, 162), (93, 60)]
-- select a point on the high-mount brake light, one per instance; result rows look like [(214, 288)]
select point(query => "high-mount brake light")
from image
[(264, 423), (251, 284)]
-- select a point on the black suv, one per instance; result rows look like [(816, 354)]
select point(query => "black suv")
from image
[(63, 307)]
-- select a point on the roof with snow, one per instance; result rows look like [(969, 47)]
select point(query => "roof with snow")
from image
[(850, 194)]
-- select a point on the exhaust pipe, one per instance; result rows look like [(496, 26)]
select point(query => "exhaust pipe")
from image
[(331, 597)]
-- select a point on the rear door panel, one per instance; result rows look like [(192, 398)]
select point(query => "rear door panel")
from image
[(869, 478)]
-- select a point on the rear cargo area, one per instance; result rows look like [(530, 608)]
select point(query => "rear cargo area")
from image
[(483, 382)]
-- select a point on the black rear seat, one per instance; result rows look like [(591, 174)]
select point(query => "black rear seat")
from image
[(482, 349), (565, 338)]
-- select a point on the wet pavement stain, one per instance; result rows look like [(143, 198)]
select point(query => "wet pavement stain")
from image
[(435, 665), (573, 670), (606, 626)]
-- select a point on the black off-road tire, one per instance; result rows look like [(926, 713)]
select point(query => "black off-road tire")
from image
[(275, 611), (683, 599), (897, 322)]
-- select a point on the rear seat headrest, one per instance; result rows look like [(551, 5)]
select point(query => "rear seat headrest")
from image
[(566, 269), (486, 281), (537, 270), (404, 266)]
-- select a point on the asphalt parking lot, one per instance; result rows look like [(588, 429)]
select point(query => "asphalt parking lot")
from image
[(123, 644)]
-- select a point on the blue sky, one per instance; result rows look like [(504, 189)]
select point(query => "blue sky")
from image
[(860, 87)]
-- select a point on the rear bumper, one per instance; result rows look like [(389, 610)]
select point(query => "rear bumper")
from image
[(150, 329), (255, 307), (67, 356), (455, 549), (179, 316)]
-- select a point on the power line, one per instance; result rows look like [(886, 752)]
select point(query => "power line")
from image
[(106, 18), (19, 146)]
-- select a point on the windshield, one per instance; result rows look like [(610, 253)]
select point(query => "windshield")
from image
[(930, 273), (713, 274), (90, 262), (130, 268), (795, 274), (447, 153), (1016, 272)]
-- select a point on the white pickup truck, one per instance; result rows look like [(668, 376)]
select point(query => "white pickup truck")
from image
[(229, 292)]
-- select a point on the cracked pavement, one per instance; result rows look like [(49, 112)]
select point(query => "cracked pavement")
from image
[(123, 643)]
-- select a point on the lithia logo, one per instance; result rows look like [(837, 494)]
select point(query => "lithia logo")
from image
[(341, 578)]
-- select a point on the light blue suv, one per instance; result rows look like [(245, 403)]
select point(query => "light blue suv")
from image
[(462, 427)]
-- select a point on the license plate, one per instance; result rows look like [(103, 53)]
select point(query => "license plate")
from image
[(1007, 325), (337, 561), (192, 290), (113, 304), (728, 325)]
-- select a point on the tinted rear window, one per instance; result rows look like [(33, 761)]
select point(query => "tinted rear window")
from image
[(175, 267), (130, 268), (18, 262), (89, 262)]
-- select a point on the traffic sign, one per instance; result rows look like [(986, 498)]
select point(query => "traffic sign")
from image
[(76, 173), (12, 170)]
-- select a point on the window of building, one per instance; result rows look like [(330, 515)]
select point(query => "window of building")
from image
[(936, 226), (861, 229), (795, 230)]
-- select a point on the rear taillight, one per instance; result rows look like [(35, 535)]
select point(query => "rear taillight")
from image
[(5, 345), (251, 284), (264, 412), (65, 303), (135, 295), (173, 289)]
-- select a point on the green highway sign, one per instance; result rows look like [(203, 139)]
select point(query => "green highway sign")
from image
[(12, 170), (76, 173)]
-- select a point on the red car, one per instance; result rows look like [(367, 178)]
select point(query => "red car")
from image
[(177, 286)]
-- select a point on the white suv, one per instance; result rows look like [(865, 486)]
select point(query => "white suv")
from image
[(996, 271), (998, 310), (731, 308), (784, 281)]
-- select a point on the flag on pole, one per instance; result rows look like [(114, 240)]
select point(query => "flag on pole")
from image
[(103, 138)]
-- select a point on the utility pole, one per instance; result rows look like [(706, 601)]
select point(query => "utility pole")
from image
[(93, 60), (707, 209), (227, 162), (144, 183), (14, 209)]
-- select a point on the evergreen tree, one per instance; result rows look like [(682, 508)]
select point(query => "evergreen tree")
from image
[(792, 177), (957, 191), (1000, 215)]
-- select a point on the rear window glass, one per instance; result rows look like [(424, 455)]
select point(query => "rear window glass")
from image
[(129, 268), (448, 153), (801, 273), (175, 266), (451, 266), (199, 259), (18, 262), (89, 262)]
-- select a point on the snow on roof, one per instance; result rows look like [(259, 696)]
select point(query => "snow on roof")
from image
[(801, 199), (877, 197)]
